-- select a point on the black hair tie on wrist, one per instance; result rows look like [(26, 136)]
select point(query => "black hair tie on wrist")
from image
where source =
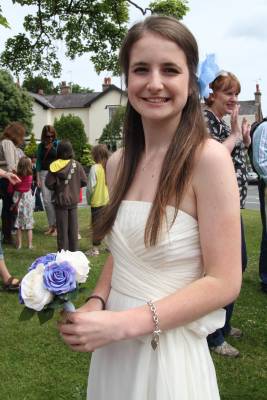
[(94, 296)]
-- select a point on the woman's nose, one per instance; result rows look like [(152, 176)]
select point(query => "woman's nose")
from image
[(155, 82)]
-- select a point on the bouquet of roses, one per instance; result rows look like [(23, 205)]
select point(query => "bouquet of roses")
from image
[(52, 282)]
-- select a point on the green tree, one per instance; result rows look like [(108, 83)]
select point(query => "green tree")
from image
[(75, 88), (31, 148), (112, 133), (92, 27), (34, 83), (15, 103), (174, 8), (87, 159), (71, 127)]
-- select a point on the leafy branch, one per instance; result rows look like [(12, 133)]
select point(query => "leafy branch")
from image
[(96, 28)]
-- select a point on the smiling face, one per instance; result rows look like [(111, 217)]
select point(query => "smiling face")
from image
[(158, 78), (224, 102)]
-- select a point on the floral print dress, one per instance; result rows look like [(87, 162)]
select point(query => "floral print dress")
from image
[(220, 131), (24, 219)]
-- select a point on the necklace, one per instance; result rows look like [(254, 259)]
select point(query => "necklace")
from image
[(144, 168)]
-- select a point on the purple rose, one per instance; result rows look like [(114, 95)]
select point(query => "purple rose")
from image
[(43, 260), (59, 278)]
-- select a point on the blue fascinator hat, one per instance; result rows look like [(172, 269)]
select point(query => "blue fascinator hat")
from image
[(208, 70)]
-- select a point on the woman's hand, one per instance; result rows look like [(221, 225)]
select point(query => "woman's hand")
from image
[(235, 126), (245, 126), (13, 178), (86, 331)]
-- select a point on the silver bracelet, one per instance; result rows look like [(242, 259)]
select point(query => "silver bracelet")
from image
[(157, 331)]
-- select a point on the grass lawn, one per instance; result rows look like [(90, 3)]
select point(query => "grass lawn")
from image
[(36, 365)]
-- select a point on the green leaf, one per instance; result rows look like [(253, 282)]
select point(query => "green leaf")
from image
[(4, 22), (26, 314), (56, 303), (45, 315), (72, 295)]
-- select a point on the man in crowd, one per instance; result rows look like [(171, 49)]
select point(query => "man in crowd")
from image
[(259, 145)]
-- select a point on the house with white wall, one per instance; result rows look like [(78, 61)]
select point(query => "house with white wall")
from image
[(95, 109)]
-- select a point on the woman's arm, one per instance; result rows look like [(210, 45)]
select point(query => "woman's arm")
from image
[(38, 164), (217, 200), (9, 150), (101, 289)]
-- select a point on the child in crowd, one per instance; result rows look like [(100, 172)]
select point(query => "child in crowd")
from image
[(97, 191), (23, 201), (66, 176)]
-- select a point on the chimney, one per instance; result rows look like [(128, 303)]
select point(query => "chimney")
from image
[(106, 84), (40, 92), (258, 113), (257, 94), (65, 89)]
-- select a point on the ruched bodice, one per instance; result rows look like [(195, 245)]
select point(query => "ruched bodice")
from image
[(181, 368), (159, 270)]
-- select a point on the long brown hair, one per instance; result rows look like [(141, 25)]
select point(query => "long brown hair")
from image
[(190, 134)]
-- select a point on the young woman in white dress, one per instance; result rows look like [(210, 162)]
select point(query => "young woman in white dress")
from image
[(173, 228)]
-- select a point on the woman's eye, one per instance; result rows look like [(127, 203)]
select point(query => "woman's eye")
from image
[(171, 71), (140, 70)]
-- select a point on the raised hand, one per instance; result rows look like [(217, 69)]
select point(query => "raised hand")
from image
[(245, 126), (235, 126)]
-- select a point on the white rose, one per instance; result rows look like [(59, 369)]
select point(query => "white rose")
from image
[(33, 292), (78, 261)]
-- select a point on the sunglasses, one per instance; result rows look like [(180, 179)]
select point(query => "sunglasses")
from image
[(49, 136)]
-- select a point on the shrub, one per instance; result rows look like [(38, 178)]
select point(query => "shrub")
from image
[(87, 159), (31, 148), (71, 127)]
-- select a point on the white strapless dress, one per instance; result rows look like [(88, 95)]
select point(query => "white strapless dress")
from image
[(181, 367)]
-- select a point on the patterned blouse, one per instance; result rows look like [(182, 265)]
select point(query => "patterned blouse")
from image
[(220, 131)]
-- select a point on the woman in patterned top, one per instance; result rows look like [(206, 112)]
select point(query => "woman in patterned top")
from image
[(221, 102)]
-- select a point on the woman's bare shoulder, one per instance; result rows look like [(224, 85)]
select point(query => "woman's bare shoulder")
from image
[(212, 152), (213, 164)]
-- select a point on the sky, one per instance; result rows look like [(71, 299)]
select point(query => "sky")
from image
[(235, 30)]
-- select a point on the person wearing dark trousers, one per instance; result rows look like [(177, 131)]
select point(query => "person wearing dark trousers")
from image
[(9, 282), (221, 102), (67, 228), (259, 146), (12, 138), (46, 154), (66, 176)]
